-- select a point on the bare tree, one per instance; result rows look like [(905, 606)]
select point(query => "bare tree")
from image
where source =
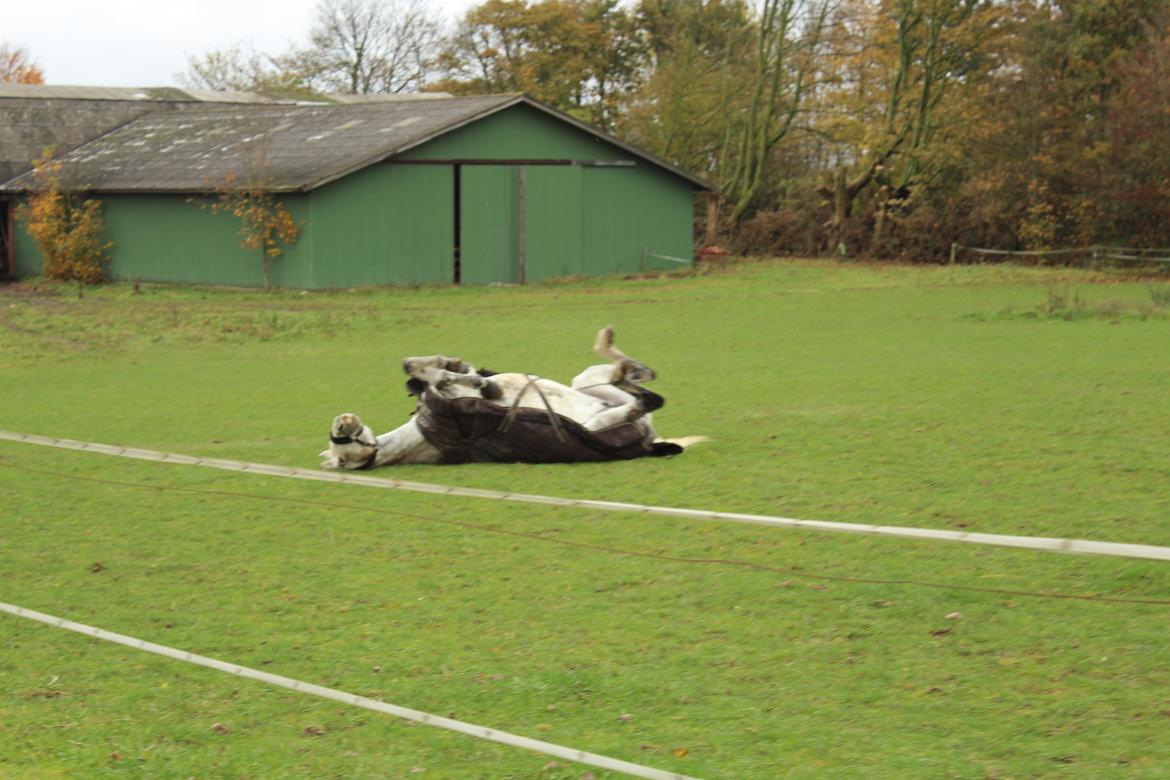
[(369, 46), (789, 32), (242, 69)]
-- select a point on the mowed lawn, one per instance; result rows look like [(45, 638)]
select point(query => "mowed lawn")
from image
[(992, 399)]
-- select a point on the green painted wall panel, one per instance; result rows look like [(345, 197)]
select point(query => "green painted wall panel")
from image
[(520, 133), (631, 212), (580, 220), (488, 235), (28, 260), (166, 238), (555, 222), (387, 224)]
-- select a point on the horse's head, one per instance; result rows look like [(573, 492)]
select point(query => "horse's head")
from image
[(345, 426)]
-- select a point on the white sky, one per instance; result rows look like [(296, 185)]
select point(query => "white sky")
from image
[(144, 43)]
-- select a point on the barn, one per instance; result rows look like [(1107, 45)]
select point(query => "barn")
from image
[(471, 190)]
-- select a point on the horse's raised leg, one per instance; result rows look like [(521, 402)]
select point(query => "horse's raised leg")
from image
[(620, 382), (631, 370), (598, 381)]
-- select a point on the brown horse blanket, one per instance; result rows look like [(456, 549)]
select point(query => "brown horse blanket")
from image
[(475, 430)]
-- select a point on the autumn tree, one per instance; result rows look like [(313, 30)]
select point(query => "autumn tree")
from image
[(615, 60), (698, 61), (895, 72), (514, 46), (581, 56), (1131, 160), (1064, 144), (17, 67), (66, 228), (266, 226)]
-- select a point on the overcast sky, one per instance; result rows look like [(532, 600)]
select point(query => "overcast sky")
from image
[(144, 43)]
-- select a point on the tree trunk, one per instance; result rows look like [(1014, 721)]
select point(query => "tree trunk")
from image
[(841, 203), (267, 280), (879, 222), (712, 219)]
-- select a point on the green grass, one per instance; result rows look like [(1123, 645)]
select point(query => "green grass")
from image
[(957, 398)]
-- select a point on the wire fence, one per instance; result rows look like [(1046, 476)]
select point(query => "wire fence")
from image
[(648, 256), (1094, 257), (1046, 544), (376, 705)]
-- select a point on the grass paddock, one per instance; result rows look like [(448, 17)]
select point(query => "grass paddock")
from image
[(991, 399)]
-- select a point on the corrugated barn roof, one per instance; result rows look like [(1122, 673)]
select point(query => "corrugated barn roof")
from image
[(36, 116), (29, 125), (152, 146), (291, 148)]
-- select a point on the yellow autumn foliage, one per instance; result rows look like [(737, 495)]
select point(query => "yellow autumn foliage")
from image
[(67, 230)]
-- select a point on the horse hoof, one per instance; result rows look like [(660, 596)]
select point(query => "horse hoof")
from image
[(650, 401), (491, 391)]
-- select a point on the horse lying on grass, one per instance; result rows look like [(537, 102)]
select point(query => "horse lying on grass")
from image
[(467, 415)]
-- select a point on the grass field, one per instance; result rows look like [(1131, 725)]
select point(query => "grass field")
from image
[(993, 399)]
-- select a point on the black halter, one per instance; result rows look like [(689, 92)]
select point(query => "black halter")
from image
[(350, 440)]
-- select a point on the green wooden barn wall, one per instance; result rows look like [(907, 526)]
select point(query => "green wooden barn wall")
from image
[(394, 224), (580, 220), (387, 224), (168, 238), (517, 133)]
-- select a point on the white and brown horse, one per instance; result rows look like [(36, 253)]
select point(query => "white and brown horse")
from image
[(469, 415)]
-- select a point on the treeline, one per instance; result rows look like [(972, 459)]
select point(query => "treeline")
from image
[(885, 128)]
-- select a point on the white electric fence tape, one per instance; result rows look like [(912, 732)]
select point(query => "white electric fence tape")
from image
[(1047, 544), (482, 732)]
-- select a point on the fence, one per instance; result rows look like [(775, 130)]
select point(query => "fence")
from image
[(1090, 256)]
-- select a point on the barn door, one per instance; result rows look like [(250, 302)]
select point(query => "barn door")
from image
[(554, 222), (488, 232)]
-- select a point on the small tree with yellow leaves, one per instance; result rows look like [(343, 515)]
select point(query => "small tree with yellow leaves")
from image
[(265, 224), (67, 229)]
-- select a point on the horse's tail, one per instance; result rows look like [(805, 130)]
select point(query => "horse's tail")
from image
[(664, 447)]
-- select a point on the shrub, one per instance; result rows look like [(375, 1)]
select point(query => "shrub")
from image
[(265, 224), (67, 230), (783, 231)]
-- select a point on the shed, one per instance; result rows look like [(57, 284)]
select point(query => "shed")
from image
[(493, 189)]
